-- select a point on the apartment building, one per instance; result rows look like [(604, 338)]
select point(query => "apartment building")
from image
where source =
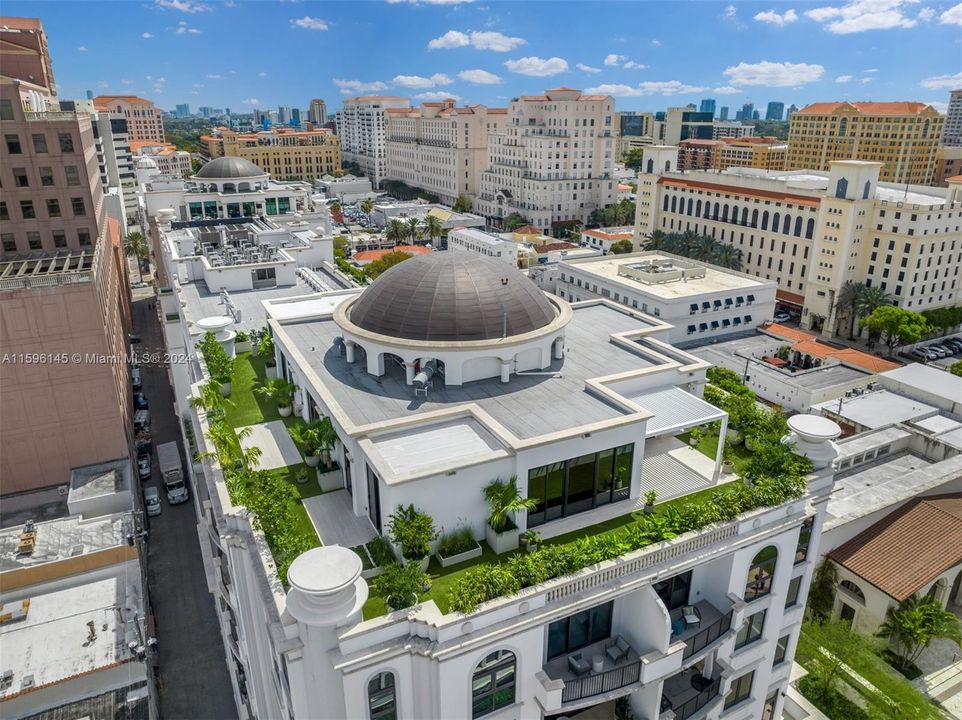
[(766, 153), (775, 110), (284, 153), (686, 124), (730, 129), (482, 243), (441, 148), (362, 129), (811, 232), (948, 163), (317, 113), (902, 136), (144, 119), (952, 132), (169, 160), (553, 162)]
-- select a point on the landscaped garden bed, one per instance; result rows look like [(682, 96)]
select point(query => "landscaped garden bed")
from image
[(456, 547), (375, 556)]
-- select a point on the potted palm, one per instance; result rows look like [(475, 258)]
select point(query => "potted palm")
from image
[(307, 435), (728, 467), (413, 532), (650, 498), (400, 585), (326, 436), (280, 391), (504, 498), (220, 365), (531, 539)]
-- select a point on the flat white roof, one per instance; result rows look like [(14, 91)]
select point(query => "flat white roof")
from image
[(927, 379), (62, 538), (877, 408), (305, 307), (478, 236), (674, 408), (937, 424), (456, 442)]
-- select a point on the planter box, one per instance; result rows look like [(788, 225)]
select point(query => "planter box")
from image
[(460, 557), (502, 542), (372, 573), (332, 480), (271, 372), (242, 346)]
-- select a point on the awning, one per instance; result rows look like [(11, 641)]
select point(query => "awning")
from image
[(675, 410), (790, 298)]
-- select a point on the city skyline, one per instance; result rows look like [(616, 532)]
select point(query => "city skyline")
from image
[(180, 51)]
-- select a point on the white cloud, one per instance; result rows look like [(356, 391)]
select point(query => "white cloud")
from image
[(193, 31), (773, 18), (943, 82), (309, 23), (843, 78), (613, 60), (871, 70), (147, 35), (194, 92), (727, 90), (348, 87), (184, 29), (126, 82), (926, 14), (102, 84), (730, 11), (587, 68), (416, 81), (198, 85), (666, 87), (437, 95), (483, 40), (450, 39), (952, 16), (862, 15), (534, 66), (866, 81), (941, 106), (656, 42), (251, 101), (479, 77), (215, 76), (773, 74), (262, 74), (187, 6), (82, 48), (632, 65)]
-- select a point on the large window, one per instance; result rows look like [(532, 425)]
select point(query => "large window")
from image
[(751, 630), (493, 683), (768, 712), (853, 590), (760, 574), (579, 484), (793, 588), (804, 538), (781, 649), (382, 697), (741, 689), (579, 630), (674, 591)]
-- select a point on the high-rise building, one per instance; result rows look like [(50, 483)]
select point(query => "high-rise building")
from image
[(731, 129), (285, 153), (948, 163), (792, 109), (441, 148), (686, 124), (813, 231), (552, 163), (144, 119), (823, 132), (755, 115), (747, 112), (775, 110), (952, 134), (283, 115), (766, 153), (64, 282), (361, 127), (317, 114), (723, 113), (205, 110), (707, 106), (183, 110)]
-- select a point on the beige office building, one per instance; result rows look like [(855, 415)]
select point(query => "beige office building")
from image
[(64, 312), (441, 148), (552, 162), (144, 119), (285, 154), (362, 129), (811, 232), (902, 136)]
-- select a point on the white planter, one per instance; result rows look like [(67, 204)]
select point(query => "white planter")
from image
[(460, 557), (285, 411), (424, 562), (372, 573), (728, 468), (225, 389), (271, 372), (502, 542), (242, 346), (330, 480), (312, 460)]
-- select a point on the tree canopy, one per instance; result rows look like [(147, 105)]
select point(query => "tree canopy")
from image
[(620, 213), (389, 260), (896, 326), (633, 159), (621, 247), (462, 204), (697, 247), (514, 221)]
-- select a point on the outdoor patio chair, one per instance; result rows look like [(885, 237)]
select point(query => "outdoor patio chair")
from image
[(617, 650), (578, 665)]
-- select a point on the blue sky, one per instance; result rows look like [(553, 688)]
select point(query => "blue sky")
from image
[(649, 55)]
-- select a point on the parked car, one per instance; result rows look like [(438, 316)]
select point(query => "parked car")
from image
[(954, 343), (937, 350), (135, 377), (781, 317), (152, 501), (143, 467), (133, 339), (923, 354), (140, 401), (949, 349)]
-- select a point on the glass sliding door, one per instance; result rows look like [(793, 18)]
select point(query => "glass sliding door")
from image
[(622, 482), (579, 630), (581, 484), (606, 469)]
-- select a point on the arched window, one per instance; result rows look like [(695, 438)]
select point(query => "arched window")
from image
[(755, 218), (715, 214), (698, 209), (674, 203), (744, 216), (690, 201), (651, 165), (867, 189), (853, 589), (841, 187), (725, 213), (798, 226), (667, 165), (664, 204), (760, 573), (765, 220), (787, 225), (843, 127), (775, 218), (707, 214), (810, 229), (381, 697), (493, 683)]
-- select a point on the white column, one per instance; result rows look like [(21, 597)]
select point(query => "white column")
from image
[(349, 350), (505, 370), (409, 373), (719, 454), (559, 348), (375, 363)]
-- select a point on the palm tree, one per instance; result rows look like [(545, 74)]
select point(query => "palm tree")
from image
[(871, 298), (728, 256), (703, 248), (847, 303), (914, 624), (396, 231), (211, 400), (503, 498), (335, 207), (656, 241), (413, 229), (136, 246), (432, 228), (367, 205)]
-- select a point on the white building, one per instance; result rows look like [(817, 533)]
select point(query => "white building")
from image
[(730, 129), (169, 160), (701, 302), (603, 238), (552, 164), (811, 232), (361, 126), (384, 212), (441, 148), (347, 188), (482, 243)]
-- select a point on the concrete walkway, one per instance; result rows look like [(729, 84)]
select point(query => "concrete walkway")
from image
[(277, 448), (945, 688), (332, 515)]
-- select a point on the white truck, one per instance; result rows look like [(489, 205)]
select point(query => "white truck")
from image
[(168, 460)]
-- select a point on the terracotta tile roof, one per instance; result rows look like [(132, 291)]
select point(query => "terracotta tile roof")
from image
[(954, 178), (549, 247), (527, 230), (602, 235), (809, 345), (595, 97), (133, 99), (787, 333), (909, 548), (371, 255), (752, 192), (534, 98), (498, 111), (561, 89), (865, 108)]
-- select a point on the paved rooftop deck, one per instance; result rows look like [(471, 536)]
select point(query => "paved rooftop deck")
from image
[(59, 539), (335, 522), (528, 406), (201, 302)]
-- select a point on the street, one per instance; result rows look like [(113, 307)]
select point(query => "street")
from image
[(192, 677)]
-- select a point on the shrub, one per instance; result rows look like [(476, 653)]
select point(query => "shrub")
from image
[(242, 336), (482, 583), (220, 365), (728, 380), (400, 585), (413, 530), (381, 552), (829, 700), (456, 542)]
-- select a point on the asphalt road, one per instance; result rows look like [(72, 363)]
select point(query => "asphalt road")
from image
[(192, 677)]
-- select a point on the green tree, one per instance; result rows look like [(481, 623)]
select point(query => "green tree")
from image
[(942, 320), (848, 302), (335, 207), (462, 204), (621, 247), (914, 624), (340, 246), (870, 299), (367, 205), (514, 221), (821, 594), (211, 400), (400, 585), (385, 262), (956, 368), (396, 231), (433, 229), (412, 229), (503, 498), (633, 159), (136, 246), (896, 326)]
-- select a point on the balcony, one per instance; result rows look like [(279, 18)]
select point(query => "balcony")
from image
[(589, 673), (714, 626), (689, 693)]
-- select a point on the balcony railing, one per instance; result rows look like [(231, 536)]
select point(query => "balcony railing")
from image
[(705, 637), (693, 704), (605, 682), (50, 116)]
